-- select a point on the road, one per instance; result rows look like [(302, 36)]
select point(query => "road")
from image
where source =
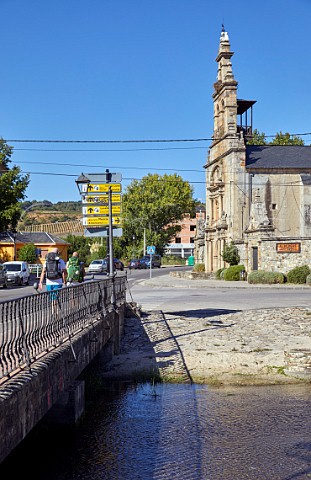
[(14, 291), (173, 295), (163, 292)]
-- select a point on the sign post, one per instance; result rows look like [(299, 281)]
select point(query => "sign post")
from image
[(151, 251), (101, 210)]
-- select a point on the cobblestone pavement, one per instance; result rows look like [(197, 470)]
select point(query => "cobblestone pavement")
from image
[(241, 348), (246, 347)]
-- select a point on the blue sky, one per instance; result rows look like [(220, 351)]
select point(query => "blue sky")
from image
[(141, 70)]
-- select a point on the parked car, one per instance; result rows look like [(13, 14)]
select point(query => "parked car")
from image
[(118, 265), (134, 263), (98, 266), (17, 272), (145, 261), (3, 279)]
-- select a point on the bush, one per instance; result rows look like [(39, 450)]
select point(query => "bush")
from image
[(199, 267), (308, 279), (230, 254), (233, 273), (218, 274), (27, 253), (298, 274), (222, 273), (270, 278), (173, 260)]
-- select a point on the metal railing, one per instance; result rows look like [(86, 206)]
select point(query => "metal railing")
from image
[(33, 325), (35, 268)]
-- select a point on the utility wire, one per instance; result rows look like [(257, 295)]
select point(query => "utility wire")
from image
[(99, 166), (255, 184), (105, 149), (140, 141)]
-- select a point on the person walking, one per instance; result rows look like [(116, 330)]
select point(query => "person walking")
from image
[(55, 273), (75, 270)]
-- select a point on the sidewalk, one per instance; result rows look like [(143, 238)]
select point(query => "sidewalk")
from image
[(186, 282)]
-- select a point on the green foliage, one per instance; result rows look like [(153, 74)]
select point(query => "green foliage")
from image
[(155, 204), (233, 273), (79, 244), (118, 248), (230, 254), (12, 188), (257, 138), (28, 253), (46, 205), (173, 260), (199, 267), (286, 139), (279, 139), (218, 273), (298, 274), (270, 278)]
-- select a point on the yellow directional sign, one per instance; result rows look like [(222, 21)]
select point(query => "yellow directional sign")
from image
[(100, 221), (101, 187), (101, 210), (103, 198)]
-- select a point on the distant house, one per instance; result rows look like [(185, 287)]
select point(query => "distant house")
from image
[(11, 243), (183, 244)]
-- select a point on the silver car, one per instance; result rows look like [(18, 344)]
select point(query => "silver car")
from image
[(98, 266)]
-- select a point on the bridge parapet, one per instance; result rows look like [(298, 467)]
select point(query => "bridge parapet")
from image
[(46, 343)]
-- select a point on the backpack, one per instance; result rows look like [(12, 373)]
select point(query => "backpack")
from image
[(52, 266), (74, 270)]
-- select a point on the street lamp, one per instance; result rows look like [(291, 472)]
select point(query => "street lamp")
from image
[(82, 180), (133, 246)]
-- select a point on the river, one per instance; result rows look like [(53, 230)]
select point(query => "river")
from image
[(167, 431)]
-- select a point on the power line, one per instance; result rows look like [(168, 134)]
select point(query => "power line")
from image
[(104, 149), (255, 184), (176, 140), (110, 141), (99, 166), (124, 178)]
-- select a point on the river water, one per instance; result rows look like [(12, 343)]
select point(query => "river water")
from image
[(169, 431)]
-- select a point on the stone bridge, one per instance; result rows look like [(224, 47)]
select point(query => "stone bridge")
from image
[(45, 344)]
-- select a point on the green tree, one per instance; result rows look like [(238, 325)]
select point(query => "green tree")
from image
[(79, 244), (28, 253), (155, 204), (279, 139), (257, 138), (286, 139), (12, 187), (230, 254)]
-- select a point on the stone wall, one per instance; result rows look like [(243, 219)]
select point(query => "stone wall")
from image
[(28, 396), (271, 260), (268, 257)]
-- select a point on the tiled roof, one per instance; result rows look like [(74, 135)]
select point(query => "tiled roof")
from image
[(32, 237), (293, 158)]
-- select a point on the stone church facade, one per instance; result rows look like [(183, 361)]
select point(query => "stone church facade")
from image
[(258, 197)]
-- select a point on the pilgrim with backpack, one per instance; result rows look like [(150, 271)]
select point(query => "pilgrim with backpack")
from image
[(54, 271), (75, 270)]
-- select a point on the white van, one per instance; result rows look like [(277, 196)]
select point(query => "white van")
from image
[(17, 273)]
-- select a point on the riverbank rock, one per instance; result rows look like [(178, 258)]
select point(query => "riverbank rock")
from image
[(244, 348)]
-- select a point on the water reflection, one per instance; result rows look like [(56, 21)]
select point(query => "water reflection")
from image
[(133, 432)]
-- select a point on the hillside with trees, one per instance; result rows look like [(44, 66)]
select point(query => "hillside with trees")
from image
[(37, 212)]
